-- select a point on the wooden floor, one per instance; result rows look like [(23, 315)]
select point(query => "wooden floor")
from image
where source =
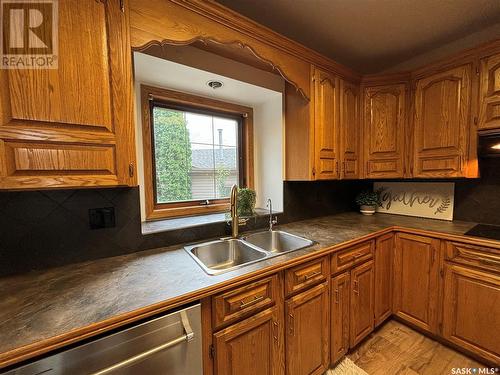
[(397, 349)]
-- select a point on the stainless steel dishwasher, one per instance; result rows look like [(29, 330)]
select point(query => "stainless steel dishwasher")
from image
[(168, 345)]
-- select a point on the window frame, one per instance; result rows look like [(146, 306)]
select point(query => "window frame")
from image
[(182, 101)]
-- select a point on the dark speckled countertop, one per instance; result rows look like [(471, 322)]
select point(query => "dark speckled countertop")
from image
[(38, 306)]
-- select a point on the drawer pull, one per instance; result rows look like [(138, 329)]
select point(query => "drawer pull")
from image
[(357, 255), (256, 299), (311, 275)]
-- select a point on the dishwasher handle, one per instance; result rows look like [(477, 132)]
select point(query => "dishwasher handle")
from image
[(188, 336)]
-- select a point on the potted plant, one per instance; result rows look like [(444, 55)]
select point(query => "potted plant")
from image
[(368, 201), (246, 202)]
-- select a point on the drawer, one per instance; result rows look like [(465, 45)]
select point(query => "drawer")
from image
[(472, 255), (345, 259), (239, 303), (305, 275)]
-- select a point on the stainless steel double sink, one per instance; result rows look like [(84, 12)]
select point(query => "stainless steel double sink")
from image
[(224, 255)]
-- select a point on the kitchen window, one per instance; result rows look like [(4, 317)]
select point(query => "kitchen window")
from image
[(195, 149)]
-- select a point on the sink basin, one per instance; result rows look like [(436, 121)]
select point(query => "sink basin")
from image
[(224, 255), (277, 241)]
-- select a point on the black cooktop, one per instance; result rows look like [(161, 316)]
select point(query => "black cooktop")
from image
[(486, 231)]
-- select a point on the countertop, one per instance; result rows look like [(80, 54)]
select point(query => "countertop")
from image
[(43, 308)]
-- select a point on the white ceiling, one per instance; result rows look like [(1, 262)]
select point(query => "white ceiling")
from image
[(373, 35), (160, 72)]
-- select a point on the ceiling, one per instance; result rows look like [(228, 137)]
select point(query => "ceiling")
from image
[(374, 35), (163, 73)]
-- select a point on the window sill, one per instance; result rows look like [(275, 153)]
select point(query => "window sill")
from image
[(157, 226)]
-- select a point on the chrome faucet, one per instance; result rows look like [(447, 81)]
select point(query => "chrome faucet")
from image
[(272, 220)]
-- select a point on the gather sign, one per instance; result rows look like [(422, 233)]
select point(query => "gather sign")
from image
[(421, 199)]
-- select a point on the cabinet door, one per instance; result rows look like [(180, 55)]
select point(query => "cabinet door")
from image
[(350, 130), (384, 130), (442, 123), (489, 93), (253, 346), (416, 273), (361, 302), (72, 126), (326, 125), (471, 315), (384, 257), (307, 332), (341, 292)]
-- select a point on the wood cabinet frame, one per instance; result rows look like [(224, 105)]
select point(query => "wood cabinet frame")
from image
[(155, 210)]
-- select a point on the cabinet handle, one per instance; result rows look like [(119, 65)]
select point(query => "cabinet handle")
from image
[(256, 299), (337, 296), (356, 287), (291, 322), (122, 6), (275, 328), (131, 170), (311, 275)]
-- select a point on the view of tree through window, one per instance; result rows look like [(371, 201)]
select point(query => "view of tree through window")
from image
[(196, 155)]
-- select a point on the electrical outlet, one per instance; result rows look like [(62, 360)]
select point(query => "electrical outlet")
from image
[(102, 218)]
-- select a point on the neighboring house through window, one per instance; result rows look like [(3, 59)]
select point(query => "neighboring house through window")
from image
[(195, 149)]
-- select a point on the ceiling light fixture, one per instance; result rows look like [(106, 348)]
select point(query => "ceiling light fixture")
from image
[(215, 84), (496, 147)]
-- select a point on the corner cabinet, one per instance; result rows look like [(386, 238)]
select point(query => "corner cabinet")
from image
[(72, 126), (416, 280), (442, 123), (325, 104), (384, 130)]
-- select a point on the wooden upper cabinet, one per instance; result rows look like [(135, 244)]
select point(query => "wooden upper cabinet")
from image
[(325, 103), (384, 130), (361, 320), (307, 332), (489, 93), (253, 346), (350, 131), (471, 316), (416, 275), (72, 126), (442, 123)]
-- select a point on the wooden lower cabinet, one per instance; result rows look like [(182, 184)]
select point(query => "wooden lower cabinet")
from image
[(361, 321), (252, 346), (384, 257), (307, 336), (471, 311), (341, 292), (416, 280)]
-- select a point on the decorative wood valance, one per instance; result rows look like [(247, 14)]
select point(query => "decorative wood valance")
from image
[(184, 22)]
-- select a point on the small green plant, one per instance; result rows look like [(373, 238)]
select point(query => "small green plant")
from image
[(368, 198), (246, 202)]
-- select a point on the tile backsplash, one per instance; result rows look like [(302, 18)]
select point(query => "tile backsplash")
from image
[(41, 229)]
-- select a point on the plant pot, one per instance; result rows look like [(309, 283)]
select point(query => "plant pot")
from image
[(367, 210)]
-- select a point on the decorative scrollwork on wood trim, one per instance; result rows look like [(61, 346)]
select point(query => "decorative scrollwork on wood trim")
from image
[(239, 44)]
